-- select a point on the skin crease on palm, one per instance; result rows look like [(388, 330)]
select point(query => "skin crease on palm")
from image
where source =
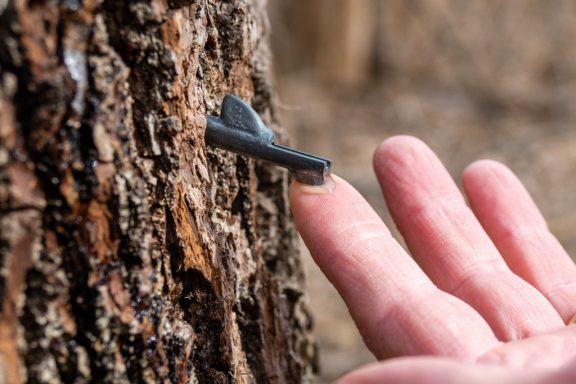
[(486, 293)]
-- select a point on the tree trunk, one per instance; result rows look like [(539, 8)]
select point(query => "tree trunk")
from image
[(129, 251), (335, 39)]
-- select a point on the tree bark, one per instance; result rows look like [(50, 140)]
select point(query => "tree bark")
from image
[(129, 251)]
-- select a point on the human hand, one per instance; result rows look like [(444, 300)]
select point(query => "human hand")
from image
[(488, 291)]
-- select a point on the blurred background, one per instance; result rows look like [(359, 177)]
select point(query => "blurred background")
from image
[(484, 79)]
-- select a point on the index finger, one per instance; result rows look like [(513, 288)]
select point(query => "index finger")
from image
[(398, 310)]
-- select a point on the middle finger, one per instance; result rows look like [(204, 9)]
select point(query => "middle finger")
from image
[(450, 245)]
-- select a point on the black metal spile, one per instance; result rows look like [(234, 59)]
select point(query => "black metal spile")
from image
[(239, 129)]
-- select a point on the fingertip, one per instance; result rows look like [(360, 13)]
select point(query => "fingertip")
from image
[(487, 182), (474, 176), (485, 164), (499, 198), (313, 204), (409, 173), (480, 169), (307, 200), (395, 147), (403, 158), (297, 188)]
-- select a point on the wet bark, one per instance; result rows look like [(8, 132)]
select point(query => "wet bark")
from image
[(129, 251)]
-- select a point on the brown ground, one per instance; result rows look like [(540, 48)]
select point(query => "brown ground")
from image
[(511, 99)]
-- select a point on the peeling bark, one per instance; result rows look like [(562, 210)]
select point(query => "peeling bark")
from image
[(129, 251)]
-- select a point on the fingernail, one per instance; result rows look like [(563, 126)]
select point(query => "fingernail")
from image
[(325, 188)]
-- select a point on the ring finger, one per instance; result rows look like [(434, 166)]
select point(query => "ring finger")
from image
[(518, 229)]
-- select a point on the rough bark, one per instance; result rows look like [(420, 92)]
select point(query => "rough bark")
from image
[(129, 251)]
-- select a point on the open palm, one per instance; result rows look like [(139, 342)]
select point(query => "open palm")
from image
[(487, 292)]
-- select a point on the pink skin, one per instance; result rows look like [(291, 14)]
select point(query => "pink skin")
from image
[(486, 293)]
